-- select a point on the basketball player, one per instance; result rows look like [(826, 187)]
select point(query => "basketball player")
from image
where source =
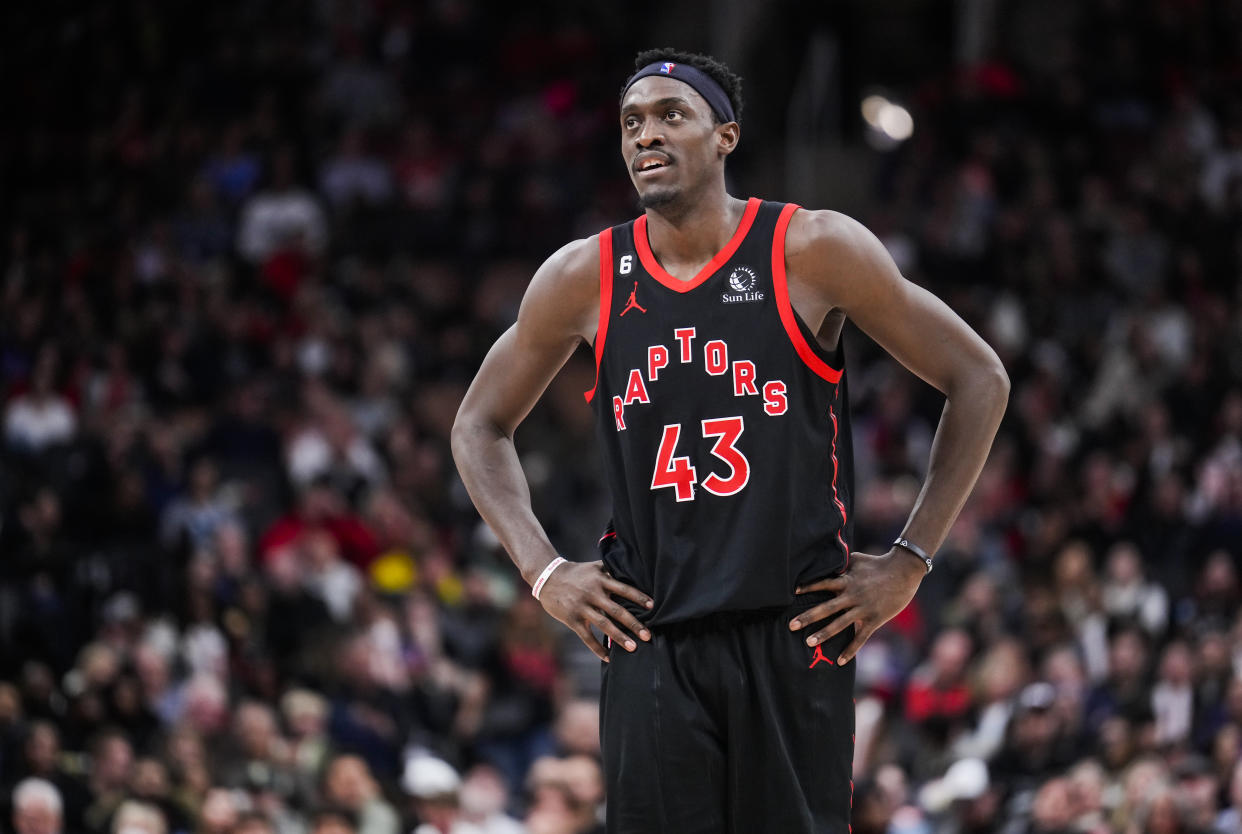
[(725, 586)]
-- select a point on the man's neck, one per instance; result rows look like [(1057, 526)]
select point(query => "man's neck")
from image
[(686, 233)]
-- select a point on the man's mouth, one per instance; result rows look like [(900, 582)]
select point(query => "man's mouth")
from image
[(653, 162)]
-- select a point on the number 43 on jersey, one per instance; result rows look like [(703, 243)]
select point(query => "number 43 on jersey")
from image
[(677, 473)]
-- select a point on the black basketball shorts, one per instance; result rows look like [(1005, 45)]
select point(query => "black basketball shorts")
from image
[(729, 724)]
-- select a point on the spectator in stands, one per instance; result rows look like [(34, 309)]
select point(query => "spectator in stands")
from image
[(305, 714), (1229, 820), (41, 758), (1173, 696), (348, 784), (1127, 595), (434, 788), (484, 798), (112, 756), (352, 176), (195, 518), (1037, 746), (220, 811), (36, 807), (938, 699), (133, 817), (1001, 674), (41, 417), (282, 227), (149, 783), (1124, 692)]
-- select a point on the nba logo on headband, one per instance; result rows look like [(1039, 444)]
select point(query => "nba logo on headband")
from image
[(701, 82)]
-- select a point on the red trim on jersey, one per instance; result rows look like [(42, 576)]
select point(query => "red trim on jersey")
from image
[(788, 317), (658, 272), (836, 498), (605, 303)]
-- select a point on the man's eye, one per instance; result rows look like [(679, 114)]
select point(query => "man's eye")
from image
[(631, 123), (673, 115)]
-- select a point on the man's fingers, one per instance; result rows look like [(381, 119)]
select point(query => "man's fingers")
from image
[(820, 612), (832, 583), (585, 635), (600, 620), (840, 624), (628, 591), (621, 615), (863, 635)]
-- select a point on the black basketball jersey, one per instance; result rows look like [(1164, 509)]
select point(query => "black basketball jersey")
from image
[(722, 423)]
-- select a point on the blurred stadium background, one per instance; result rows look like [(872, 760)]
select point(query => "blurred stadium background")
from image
[(252, 253)]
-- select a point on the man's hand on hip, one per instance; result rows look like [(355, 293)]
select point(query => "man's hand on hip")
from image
[(580, 595), (872, 591)]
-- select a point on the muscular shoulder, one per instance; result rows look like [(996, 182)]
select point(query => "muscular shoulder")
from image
[(816, 235), (563, 297), (575, 262), (833, 256)]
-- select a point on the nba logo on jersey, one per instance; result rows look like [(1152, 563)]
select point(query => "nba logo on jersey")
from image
[(667, 69)]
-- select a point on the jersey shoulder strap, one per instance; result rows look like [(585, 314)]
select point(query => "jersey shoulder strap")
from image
[(605, 303)]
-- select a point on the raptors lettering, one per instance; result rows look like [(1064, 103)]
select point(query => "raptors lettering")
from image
[(743, 378)]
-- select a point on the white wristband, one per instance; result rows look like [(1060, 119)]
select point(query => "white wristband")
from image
[(543, 577)]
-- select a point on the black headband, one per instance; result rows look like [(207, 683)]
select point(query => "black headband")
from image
[(701, 82)]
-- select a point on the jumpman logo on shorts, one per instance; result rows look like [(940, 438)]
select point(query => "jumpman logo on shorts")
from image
[(818, 656), (633, 302)]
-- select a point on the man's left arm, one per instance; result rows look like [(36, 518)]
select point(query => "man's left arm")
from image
[(833, 262)]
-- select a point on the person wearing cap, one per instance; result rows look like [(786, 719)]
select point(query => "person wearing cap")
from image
[(1037, 746), (434, 787), (729, 598)]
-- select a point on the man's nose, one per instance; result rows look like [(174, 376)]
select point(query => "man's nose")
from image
[(650, 134)]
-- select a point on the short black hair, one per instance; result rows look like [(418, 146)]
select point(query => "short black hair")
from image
[(728, 80)]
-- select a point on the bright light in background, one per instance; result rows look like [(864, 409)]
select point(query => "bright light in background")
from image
[(890, 124), (897, 122), (871, 107)]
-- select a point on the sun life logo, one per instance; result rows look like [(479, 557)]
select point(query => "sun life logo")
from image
[(742, 280)]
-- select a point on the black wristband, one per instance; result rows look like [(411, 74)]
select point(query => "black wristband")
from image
[(905, 544)]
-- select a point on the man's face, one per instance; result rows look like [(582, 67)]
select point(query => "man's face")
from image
[(36, 818), (670, 142), (42, 748), (347, 782)]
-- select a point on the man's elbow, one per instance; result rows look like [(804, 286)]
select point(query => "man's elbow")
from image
[(470, 429), (457, 438), (983, 384), (996, 382), (465, 428)]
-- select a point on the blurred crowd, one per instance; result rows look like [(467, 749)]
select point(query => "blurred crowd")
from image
[(253, 254)]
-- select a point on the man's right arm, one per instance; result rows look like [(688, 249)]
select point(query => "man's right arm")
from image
[(560, 310)]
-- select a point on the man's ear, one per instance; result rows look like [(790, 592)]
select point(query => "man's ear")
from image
[(727, 137)]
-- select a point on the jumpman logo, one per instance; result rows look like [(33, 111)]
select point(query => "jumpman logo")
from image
[(818, 656), (633, 302)]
